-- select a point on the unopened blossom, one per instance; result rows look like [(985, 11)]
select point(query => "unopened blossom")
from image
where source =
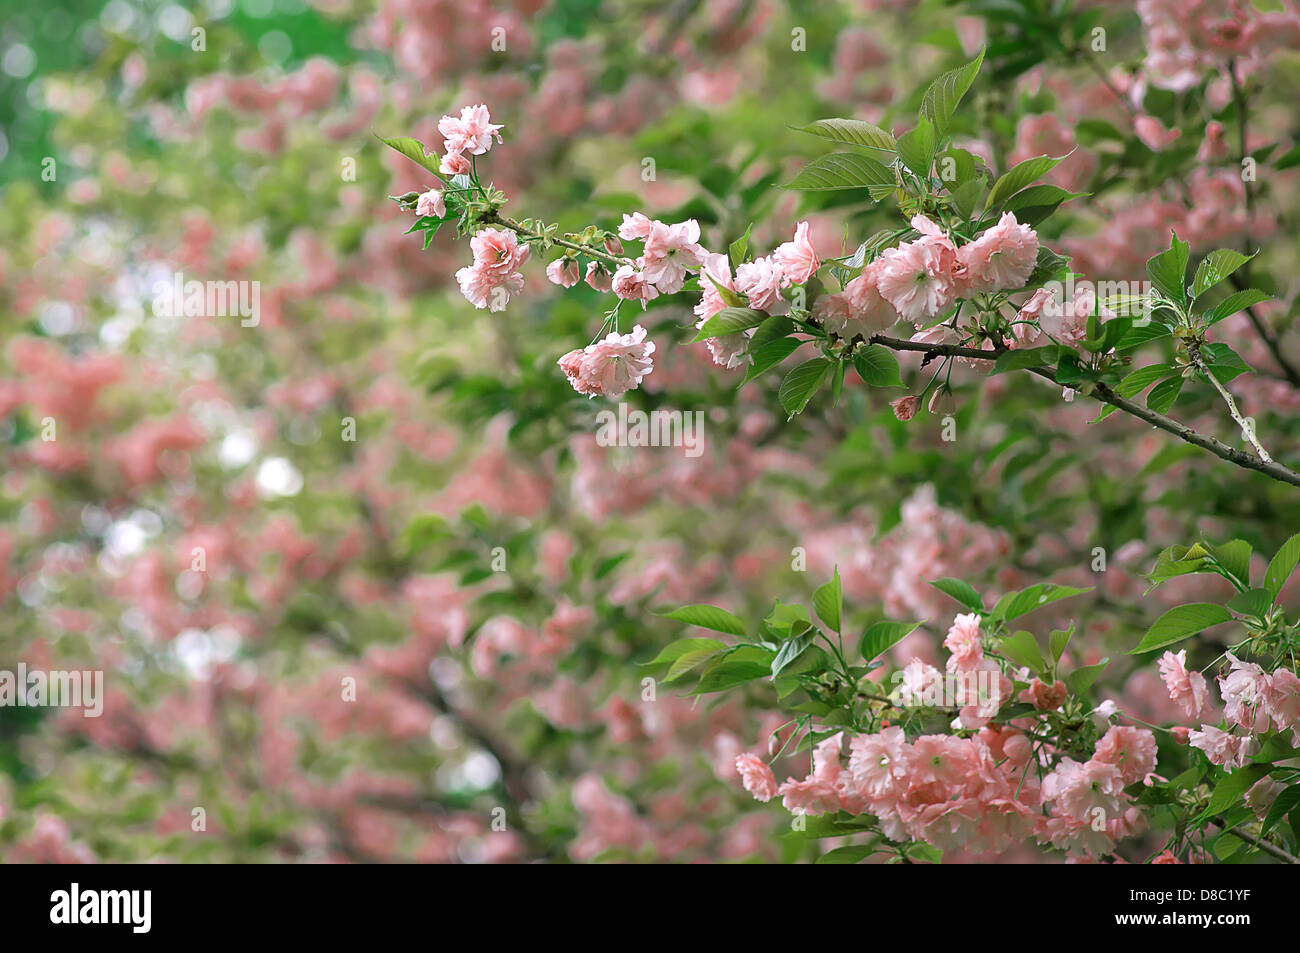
[(905, 408), (612, 367), (756, 776), (1002, 258), (1046, 697), (760, 281), (670, 250), (563, 272), (431, 204), (472, 132), (1186, 688), (598, 276), (797, 259), (629, 284)]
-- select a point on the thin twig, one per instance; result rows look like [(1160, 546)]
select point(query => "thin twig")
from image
[(1247, 430)]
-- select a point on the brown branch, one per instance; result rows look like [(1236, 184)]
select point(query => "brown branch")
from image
[(1266, 846), (1105, 395)]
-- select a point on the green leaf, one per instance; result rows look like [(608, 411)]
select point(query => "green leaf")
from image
[(1021, 648), (882, 636), (1142, 378), (1020, 358), (691, 660), (1021, 175), (769, 355), (828, 600), (1252, 602), (775, 327), (916, 147), (877, 366), (941, 99), (852, 131), (675, 650), (1178, 561), (851, 854), (413, 149), (801, 383), (1229, 790), (736, 252), (729, 321), (1282, 565), (790, 651), (1015, 604), (1216, 266), (1082, 679), (960, 590), (844, 170), (1141, 334), (1164, 394), (708, 617), (1168, 270), (1179, 623), (1239, 301), (742, 664), (1039, 196), (1234, 556), (1286, 802), (1058, 640)]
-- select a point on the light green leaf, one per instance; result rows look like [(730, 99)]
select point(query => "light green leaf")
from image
[(916, 147), (1021, 648), (852, 131), (708, 617), (1021, 175), (730, 321), (844, 170), (941, 99), (413, 149), (1179, 623), (801, 383), (828, 600), (960, 590), (877, 366), (882, 636), (1216, 266), (1282, 565)]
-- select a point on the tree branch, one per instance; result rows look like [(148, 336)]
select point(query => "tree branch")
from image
[(1105, 395)]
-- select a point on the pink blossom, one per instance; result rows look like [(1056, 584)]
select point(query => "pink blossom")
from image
[(635, 227), (905, 408), (917, 277), (963, 641), (472, 132), (612, 367), (1132, 750), (878, 762), (1243, 695), (630, 284), (1282, 699), (760, 281), (431, 204), (494, 276), (1186, 689), (597, 276), (756, 776), (1002, 258), (797, 259), (453, 163), (669, 251), (1222, 748)]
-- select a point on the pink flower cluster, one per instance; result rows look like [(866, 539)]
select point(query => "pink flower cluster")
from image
[(978, 793), (1252, 700), (919, 279), (494, 276), (612, 367)]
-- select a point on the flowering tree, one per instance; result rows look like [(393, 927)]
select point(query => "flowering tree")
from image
[(385, 565)]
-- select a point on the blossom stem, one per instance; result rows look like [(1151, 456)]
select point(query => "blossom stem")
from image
[(494, 218)]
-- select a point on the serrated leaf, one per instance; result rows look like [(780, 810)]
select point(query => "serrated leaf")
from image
[(1141, 334), (916, 147), (1234, 556), (769, 356), (877, 366), (1014, 605), (828, 601), (1058, 640), (738, 248), (844, 170), (1022, 648), (960, 590), (708, 617), (1021, 175), (1082, 679), (1252, 602), (675, 650), (413, 149), (1282, 565), (801, 383), (1216, 266), (882, 636), (945, 93), (852, 131), (1168, 270), (1164, 394), (1180, 623), (1142, 378), (730, 321), (1239, 301)]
